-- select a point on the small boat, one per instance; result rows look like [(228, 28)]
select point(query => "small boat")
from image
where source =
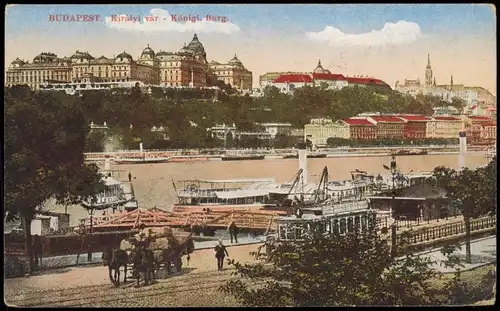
[(188, 158), (141, 160), (418, 152), (115, 194), (242, 157), (316, 155), (310, 155), (403, 152)]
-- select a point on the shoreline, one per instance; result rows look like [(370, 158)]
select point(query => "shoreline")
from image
[(100, 158)]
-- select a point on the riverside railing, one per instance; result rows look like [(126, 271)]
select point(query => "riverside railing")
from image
[(443, 231)]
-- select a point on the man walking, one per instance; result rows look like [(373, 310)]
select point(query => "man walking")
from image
[(129, 176), (220, 253), (37, 249), (233, 232)]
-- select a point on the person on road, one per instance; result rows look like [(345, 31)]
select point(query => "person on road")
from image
[(37, 249), (143, 236), (220, 254), (233, 232), (129, 176)]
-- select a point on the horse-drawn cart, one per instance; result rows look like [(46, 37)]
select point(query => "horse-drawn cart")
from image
[(148, 257)]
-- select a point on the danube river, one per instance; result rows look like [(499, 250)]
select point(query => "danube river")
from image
[(153, 182)]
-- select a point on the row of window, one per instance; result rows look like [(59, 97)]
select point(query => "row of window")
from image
[(342, 226), (106, 68), (392, 127), (35, 79), (34, 73)]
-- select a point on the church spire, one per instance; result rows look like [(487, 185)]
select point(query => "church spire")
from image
[(319, 62), (434, 81), (428, 71)]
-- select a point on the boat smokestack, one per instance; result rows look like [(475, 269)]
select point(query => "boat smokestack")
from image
[(463, 149), (140, 147), (303, 162), (107, 164)]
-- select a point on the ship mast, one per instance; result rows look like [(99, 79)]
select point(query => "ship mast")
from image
[(323, 181)]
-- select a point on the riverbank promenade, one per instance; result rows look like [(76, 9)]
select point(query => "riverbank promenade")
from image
[(196, 285)]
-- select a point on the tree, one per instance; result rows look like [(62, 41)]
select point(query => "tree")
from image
[(458, 103), (332, 270), (473, 192), (94, 141), (44, 143), (281, 141)]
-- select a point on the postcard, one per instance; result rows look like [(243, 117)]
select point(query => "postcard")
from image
[(249, 155)]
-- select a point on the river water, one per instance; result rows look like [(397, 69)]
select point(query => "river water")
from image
[(153, 182)]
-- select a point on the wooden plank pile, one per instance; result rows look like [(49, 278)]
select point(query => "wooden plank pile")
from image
[(248, 218)]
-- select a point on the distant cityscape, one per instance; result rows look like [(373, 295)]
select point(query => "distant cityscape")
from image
[(369, 127), (189, 68)]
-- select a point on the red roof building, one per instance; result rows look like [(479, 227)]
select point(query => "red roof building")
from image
[(479, 118), (444, 127), (415, 126), (389, 127), (361, 129), (367, 81), (387, 119), (327, 76), (338, 79), (294, 78), (489, 132), (358, 122), (414, 118), (446, 118)]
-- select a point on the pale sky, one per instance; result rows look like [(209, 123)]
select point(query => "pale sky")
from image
[(389, 42)]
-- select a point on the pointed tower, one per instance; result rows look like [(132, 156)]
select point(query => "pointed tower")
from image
[(428, 71), (434, 81), (451, 83), (319, 68)]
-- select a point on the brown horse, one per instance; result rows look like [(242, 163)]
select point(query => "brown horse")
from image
[(115, 259), (144, 263)]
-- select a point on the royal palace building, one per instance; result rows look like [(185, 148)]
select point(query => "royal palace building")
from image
[(186, 68), (287, 82), (233, 73)]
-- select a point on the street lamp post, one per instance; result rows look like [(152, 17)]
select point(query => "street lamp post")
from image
[(89, 254), (393, 169)]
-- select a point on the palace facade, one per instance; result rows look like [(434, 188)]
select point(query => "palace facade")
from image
[(233, 73), (287, 82), (186, 68)]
